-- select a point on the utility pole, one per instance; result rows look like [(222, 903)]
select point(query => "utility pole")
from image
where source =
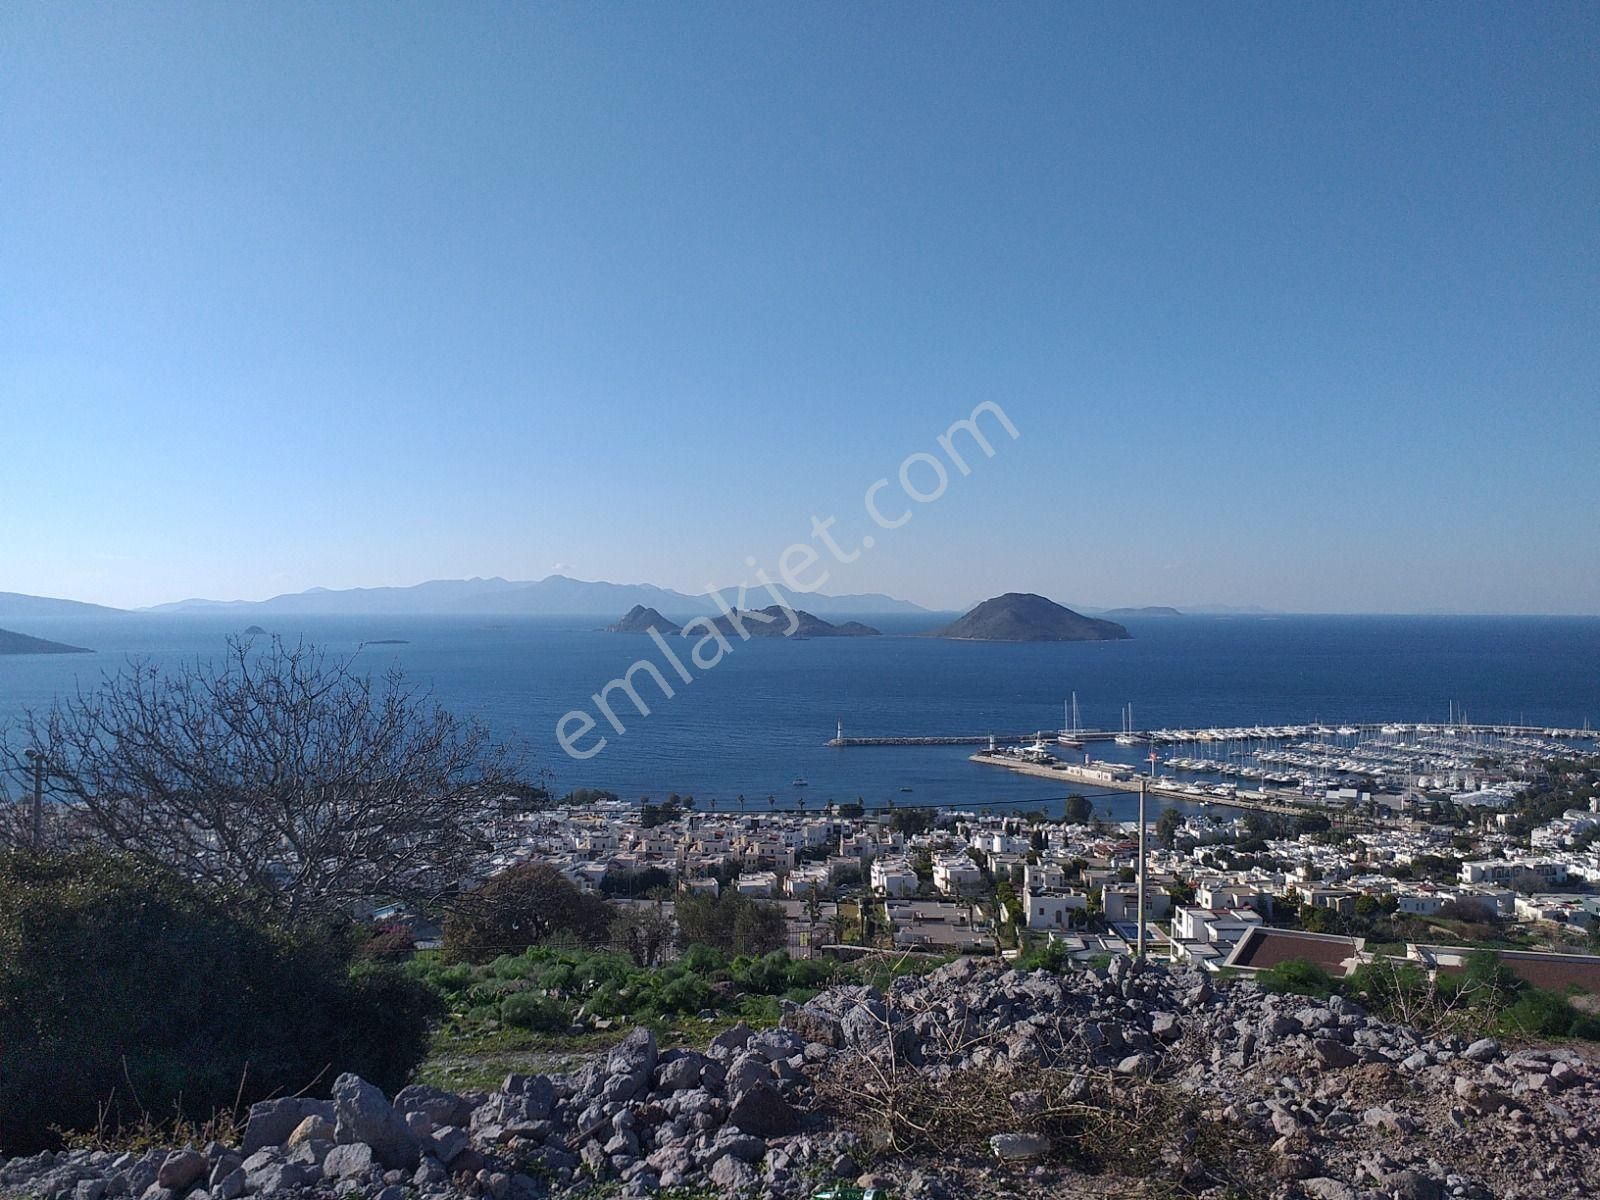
[(37, 760), (1144, 790)]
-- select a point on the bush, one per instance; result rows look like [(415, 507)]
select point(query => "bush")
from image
[(127, 986), (533, 1012), (1298, 977)]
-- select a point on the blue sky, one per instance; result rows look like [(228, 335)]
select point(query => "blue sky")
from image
[(1291, 305)]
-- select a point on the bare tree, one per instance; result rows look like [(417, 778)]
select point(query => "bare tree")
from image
[(279, 775)]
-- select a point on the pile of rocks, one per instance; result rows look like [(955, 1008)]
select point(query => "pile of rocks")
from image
[(1335, 1104)]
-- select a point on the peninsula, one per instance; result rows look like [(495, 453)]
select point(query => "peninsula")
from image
[(1025, 617), (21, 643)]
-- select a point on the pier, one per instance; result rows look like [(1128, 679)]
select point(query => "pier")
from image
[(959, 739), (1163, 786), (1254, 733)]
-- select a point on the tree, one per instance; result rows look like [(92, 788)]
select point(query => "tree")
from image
[(645, 933), (527, 905), (279, 777), (1167, 826), (911, 821), (1078, 810), (732, 923)]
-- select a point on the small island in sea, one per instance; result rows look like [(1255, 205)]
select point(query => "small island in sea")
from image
[(1149, 610), (640, 619), (21, 643), (777, 621), (1025, 617), (255, 631), (386, 642)]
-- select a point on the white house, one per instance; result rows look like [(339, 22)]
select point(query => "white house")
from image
[(1052, 910), (757, 883), (956, 873), (893, 877), (1121, 902)]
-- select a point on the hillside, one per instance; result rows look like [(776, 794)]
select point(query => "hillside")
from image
[(1025, 617), (21, 643), (776, 621), (1127, 1081), (14, 606), (640, 619)]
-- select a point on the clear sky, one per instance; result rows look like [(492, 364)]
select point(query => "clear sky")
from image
[(1291, 305)]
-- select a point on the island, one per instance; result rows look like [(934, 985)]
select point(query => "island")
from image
[(21, 643), (255, 631), (387, 642), (1025, 617), (640, 619), (1149, 610), (777, 621)]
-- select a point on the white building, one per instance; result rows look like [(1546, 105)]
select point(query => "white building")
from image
[(757, 883), (894, 878), (956, 873), (1052, 910), (1509, 870), (1121, 902)]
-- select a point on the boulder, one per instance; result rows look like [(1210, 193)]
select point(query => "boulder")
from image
[(364, 1115), (760, 1110), (313, 1129), (814, 1026), (272, 1121), (348, 1160), (629, 1065), (732, 1176), (442, 1107), (180, 1169), (678, 1075)]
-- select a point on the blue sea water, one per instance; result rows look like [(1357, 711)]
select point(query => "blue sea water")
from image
[(760, 718)]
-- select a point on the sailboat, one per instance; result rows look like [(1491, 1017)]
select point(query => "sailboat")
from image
[(1070, 727), (1127, 736)]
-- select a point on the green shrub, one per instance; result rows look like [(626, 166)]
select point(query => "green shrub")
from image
[(1298, 977), (533, 1012), (128, 986), (1539, 1012)]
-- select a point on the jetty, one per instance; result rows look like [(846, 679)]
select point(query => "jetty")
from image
[(1252, 733), (1164, 786)]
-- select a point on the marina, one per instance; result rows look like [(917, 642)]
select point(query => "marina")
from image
[(1281, 768)]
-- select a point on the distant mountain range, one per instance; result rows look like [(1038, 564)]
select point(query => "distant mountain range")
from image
[(557, 595)]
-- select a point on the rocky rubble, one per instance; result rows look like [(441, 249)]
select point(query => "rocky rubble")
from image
[(1331, 1103)]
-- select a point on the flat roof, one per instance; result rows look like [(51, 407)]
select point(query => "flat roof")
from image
[(1261, 948), (1543, 969)]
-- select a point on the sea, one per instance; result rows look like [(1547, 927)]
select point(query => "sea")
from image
[(756, 724)]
